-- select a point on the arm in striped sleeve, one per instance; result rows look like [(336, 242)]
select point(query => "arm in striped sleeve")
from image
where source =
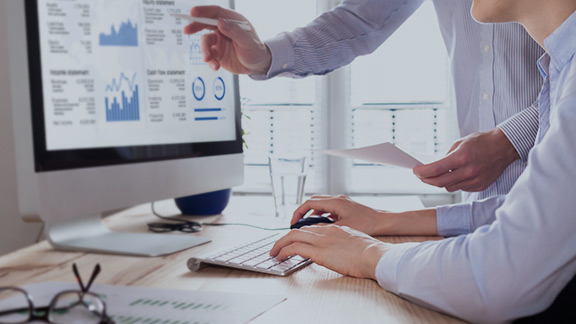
[(521, 130)]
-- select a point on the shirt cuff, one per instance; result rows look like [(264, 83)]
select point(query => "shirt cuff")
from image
[(453, 220), (521, 130), (387, 267), (282, 57)]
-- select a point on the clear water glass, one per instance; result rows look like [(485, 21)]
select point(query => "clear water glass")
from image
[(288, 176)]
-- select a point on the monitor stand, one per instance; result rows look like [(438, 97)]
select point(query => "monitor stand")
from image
[(89, 234)]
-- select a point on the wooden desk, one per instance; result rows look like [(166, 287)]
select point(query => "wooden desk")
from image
[(314, 294)]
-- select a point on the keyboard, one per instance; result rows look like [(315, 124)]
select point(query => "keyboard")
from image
[(252, 255)]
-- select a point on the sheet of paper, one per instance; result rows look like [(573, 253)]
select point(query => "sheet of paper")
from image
[(129, 304), (385, 153)]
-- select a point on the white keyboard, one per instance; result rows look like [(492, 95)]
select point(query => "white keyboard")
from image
[(253, 255)]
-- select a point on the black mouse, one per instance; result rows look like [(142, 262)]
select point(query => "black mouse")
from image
[(311, 220)]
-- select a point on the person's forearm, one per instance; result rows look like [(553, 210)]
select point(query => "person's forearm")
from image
[(416, 222), (464, 218)]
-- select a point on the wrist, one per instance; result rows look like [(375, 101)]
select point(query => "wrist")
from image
[(266, 62), (387, 223), (507, 150), (371, 257), (415, 222)]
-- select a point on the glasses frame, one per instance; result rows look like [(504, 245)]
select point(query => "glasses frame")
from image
[(44, 313), (186, 227)]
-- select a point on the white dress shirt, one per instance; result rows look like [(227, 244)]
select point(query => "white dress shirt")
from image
[(518, 264)]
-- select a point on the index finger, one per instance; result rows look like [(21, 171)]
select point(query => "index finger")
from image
[(294, 236), (437, 168), (319, 205), (215, 12)]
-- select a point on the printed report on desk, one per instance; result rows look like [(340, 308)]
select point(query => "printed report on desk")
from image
[(122, 73)]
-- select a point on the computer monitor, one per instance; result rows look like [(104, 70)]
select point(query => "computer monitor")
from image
[(113, 106)]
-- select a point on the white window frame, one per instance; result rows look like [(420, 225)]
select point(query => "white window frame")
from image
[(335, 115)]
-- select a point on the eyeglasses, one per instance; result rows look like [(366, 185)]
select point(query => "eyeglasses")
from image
[(69, 306), (186, 227)]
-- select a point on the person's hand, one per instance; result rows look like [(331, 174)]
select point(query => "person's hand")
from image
[(472, 164), (228, 46), (343, 210), (337, 248)]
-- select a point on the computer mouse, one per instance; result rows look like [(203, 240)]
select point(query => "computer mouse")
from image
[(311, 220)]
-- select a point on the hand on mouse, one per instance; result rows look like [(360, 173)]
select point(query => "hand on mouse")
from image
[(347, 212), (339, 248), (344, 211)]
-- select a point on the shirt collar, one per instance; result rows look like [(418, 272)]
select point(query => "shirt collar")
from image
[(544, 65), (561, 44)]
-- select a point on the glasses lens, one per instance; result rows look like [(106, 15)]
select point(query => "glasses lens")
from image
[(160, 227), (74, 307), (14, 306)]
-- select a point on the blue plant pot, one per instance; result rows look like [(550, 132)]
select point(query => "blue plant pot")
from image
[(210, 203)]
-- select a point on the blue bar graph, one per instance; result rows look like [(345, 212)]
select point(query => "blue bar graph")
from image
[(205, 118), (128, 108), (127, 35), (207, 109)]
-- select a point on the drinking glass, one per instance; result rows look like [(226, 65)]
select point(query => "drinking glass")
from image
[(288, 176)]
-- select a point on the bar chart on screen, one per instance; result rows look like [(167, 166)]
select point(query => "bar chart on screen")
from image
[(128, 304), (119, 105)]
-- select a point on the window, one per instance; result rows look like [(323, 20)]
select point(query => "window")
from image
[(279, 114), (400, 93)]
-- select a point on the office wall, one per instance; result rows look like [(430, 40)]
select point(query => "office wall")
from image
[(14, 233)]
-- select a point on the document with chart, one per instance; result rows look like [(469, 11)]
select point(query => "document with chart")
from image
[(122, 73), (130, 304)]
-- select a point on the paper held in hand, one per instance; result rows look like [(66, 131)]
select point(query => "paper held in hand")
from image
[(385, 153)]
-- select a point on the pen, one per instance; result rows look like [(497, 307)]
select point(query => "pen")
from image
[(213, 22)]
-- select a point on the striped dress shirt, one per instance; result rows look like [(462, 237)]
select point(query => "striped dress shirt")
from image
[(494, 70)]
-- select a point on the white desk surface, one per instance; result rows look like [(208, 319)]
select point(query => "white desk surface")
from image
[(314, 294)]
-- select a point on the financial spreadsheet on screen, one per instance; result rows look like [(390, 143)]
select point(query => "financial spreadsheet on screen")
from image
[(122, 73)]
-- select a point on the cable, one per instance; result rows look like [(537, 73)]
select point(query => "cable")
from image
[(192, 226)]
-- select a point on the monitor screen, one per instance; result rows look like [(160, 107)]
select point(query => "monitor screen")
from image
[(118, 82)]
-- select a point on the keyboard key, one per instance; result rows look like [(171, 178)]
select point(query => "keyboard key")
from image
[(268, 264), (256, 261), (298, 258), (224, 257), (291, 263)]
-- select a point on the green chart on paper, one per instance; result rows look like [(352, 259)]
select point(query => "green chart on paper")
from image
[(146, 305), (157, 306)]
